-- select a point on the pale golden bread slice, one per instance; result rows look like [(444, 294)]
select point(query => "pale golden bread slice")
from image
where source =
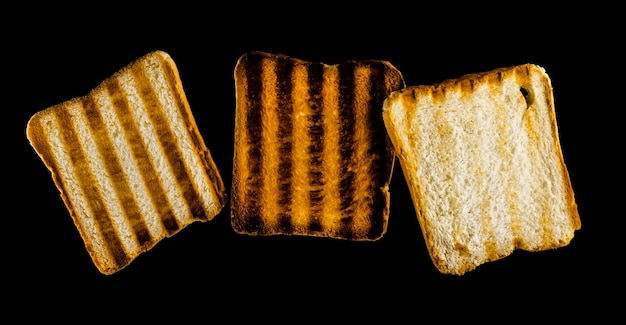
[(311, 156), (483, 162), (129, 161)]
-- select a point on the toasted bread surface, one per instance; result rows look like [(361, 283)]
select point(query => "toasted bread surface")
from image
[(483, 162), (311, 154), (129, 161)]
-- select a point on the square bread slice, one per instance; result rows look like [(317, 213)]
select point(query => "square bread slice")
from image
[(483, 162), (129, 161), (311, 156)]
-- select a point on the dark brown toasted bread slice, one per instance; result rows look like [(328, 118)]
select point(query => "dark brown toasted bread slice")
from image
[(311, 154)]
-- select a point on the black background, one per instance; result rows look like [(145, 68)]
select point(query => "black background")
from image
[(209, 272)]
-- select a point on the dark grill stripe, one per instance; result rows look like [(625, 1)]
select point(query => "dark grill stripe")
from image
[(215, 180), (347, 116), (167, 140), (89, 185), (140, 153), (316, 148), (285, 134), (382, 157), (111, 162), (254, 184)]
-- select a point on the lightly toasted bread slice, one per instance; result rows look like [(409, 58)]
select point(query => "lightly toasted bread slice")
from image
[(311, 156), (129, 161), (483, 162)]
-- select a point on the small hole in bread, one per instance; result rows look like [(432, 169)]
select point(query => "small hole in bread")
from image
[(527, 96)]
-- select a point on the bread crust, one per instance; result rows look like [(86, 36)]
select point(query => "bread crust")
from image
[(129, 161), (311, 156), (447, 99)]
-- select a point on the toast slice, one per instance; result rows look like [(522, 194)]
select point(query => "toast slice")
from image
[(129, 161), (311, 156), (483, 162)]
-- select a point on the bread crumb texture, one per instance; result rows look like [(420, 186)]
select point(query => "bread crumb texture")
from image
[(483, 162), (129, 161)]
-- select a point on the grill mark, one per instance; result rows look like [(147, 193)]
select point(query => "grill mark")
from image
[(379, 150), (284, 85), (140, 153), (253, 68), (362, 139), (111, 162), (93, 197), (316, 147), (216, 184), (384, 81), (347, 117), (167, 141)]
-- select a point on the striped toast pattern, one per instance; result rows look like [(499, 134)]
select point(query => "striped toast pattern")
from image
[(129, 161), (311, 155)]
